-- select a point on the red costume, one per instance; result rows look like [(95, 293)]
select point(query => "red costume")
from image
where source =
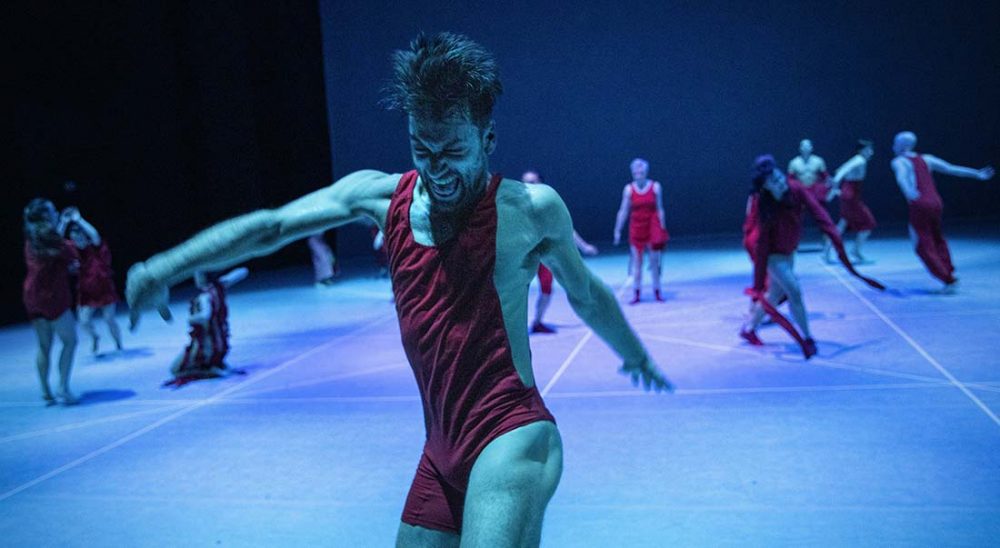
[(46, 291), (644, 226), (453, 332), (780, 234), (209, 341), (925, 218), (96, 285), (853, 209), (819, 189)]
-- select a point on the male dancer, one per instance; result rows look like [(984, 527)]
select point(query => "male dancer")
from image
[(642, 205), (544, 274), (463, 246), (780, 203), (913, 175), (854, 214), (809, 170)]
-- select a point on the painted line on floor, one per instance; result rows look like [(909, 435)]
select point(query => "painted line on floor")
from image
[(579, 346), (328, 378), (84, 424), (751, 390), (186, 410), (916, 346), (822, 362)]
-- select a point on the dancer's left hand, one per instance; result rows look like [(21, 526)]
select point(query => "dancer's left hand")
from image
[(646, 370)]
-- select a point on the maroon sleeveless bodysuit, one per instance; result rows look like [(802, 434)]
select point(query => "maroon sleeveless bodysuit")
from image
[(925, 218), (454, 336)]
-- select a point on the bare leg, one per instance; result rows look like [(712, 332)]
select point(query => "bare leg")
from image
[(109, 316), (511, 484), (65, 328), (828, 245), (87, 323), (43, 329), (322, 258), (782, 274), (655, 268), (414, 536), (774, 295), (636, 262), (859, 242)]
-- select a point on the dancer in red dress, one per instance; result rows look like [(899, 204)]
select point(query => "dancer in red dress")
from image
[(854, 214), (46, 294), (913, 174), (96, 293), (544, 274), (463, 246), (780, 205), (204, 357), (642, 206)]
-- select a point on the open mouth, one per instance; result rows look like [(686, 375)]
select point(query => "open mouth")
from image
[(444, 191)]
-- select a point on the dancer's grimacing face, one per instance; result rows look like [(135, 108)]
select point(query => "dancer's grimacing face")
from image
[(451, 156)]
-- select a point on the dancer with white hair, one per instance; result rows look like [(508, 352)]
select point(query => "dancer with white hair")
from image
[(913, 175), (642, 206)]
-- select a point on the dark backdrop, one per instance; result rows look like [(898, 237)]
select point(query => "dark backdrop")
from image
[(169, 115), (697, 87), (173, 115)]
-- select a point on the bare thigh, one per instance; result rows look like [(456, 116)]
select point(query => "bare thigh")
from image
[(511, 484), (414, 536)]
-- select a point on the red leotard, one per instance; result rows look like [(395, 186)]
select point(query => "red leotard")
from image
[(96, 287), (46, 286), (925, 218), (644, 221), (453, 332)]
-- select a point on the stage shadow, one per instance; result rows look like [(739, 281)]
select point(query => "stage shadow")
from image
[(93, 397), (916, 292)]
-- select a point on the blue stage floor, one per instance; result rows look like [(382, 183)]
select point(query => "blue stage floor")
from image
[(889, 437)]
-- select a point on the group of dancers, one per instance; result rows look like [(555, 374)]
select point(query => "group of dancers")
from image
[(463, 245), (773, 226)]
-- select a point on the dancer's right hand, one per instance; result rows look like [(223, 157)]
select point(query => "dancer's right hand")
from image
[(618, 237), (143, 291)]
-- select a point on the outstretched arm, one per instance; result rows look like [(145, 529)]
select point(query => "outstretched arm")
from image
[(623, 210), (592, 301), (256, 234), (582, 245), (937, 164), (234, 276)]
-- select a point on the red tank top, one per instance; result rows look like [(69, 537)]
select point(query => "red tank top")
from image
[(46, 291), (453, 333), (96, 286), (929, 196), (642, 209)]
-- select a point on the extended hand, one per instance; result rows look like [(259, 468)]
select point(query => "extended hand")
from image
[(143, 291), (834, 192), (618, 238), (986, 173), (589, 250), (650, 375)]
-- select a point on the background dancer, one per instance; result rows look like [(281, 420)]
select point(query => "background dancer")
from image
[(463, 245), (809, 170), (46, 294), (96, 292), (205, 355), (642, 206), (913, 175), (544, 274), (854, 214), (324, 259), (780, 205)]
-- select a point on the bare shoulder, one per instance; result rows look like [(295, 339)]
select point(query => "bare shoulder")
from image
[(368, 183), (538, 203)]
